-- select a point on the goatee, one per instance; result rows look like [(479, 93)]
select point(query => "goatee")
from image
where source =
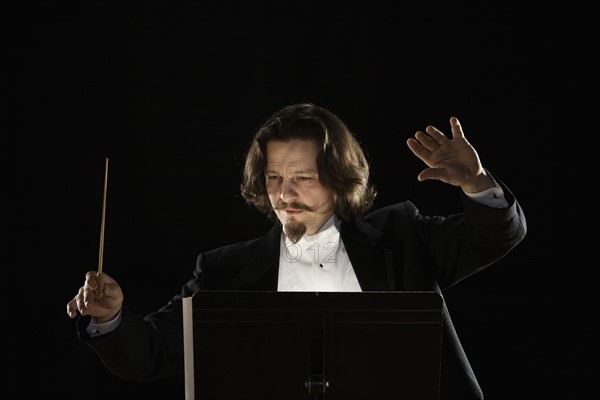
[(295, 231)]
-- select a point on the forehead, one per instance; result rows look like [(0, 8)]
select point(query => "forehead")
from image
[(300, 153)]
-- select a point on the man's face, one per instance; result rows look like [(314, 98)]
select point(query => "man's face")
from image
[(301, 203)]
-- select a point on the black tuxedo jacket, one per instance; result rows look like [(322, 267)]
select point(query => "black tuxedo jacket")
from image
[(392, 248)]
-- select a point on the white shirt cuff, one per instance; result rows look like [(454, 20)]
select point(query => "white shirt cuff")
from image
[(492, 197), (96, 329)]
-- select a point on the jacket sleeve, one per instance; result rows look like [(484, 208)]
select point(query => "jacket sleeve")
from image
[(140, 349), (465, 243)]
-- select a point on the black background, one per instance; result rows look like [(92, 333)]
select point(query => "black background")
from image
[(172, 92)]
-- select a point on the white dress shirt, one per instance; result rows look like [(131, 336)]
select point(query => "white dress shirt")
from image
[(317, 263)]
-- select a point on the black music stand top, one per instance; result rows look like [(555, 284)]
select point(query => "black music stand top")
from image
[(312, 345)]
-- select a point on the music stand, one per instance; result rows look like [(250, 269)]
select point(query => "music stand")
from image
[(312, 345)]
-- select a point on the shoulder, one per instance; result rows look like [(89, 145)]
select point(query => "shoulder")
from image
[(233, 249), (398, 216), (243, 250), (404, 209)]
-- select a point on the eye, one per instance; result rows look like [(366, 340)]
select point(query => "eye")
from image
[(273, 177), (303, 179)]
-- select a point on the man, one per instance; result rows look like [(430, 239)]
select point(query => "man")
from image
[(307, 171)]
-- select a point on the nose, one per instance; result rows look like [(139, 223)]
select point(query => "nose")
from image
[(287, 191)]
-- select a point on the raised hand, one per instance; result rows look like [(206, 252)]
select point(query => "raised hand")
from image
[(453, 161)]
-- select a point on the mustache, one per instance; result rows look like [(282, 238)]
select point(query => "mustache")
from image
[(282, 205)]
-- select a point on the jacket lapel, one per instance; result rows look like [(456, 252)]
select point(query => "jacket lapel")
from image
[(373, 263), (262, 269)]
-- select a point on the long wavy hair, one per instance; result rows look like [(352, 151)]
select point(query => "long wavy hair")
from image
[(341, 162)]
